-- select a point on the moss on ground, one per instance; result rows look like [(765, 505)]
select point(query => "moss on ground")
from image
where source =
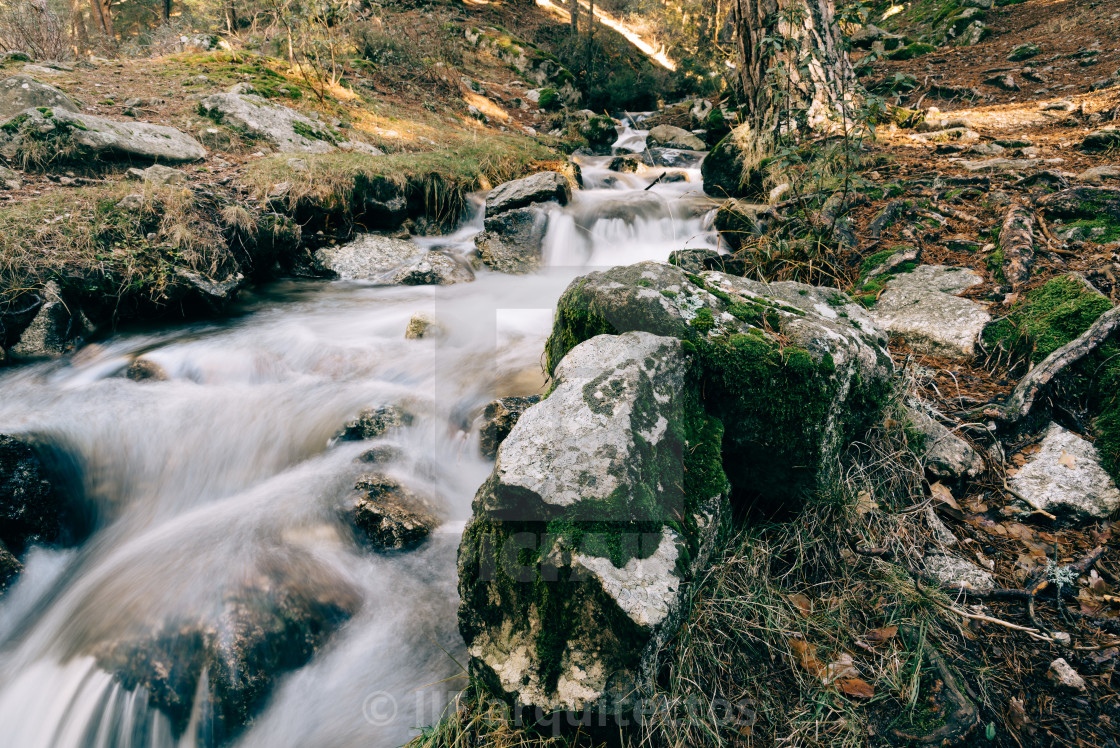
[(1048, 318)]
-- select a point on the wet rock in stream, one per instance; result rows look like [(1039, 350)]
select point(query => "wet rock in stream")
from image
[(388, 515), (271, 622)]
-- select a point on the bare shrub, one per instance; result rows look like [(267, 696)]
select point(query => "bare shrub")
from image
[(30, 26)]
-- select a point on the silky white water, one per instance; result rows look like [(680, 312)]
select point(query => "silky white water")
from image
[(192, 485)]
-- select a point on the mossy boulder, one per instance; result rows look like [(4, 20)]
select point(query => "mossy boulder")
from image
[(1024, 52), (600, 133), (793, 371), (725, 170), (44, 136), (603, 504), (1083, 202), (910, 51)]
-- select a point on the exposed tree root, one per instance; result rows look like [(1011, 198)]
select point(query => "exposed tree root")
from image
[(1023, 397), (1016, 239)]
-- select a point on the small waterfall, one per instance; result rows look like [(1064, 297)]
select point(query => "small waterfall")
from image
[(228, 473)]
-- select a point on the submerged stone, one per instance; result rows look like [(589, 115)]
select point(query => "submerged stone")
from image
[(498, 419), (30, 507)]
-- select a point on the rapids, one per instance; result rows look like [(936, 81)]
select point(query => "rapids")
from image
[(189, 485)]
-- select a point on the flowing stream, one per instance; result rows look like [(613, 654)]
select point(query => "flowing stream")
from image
[(193, 485)]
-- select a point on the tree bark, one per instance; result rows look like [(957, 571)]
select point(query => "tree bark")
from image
[(793, 71), (166, 10), (575, 17)]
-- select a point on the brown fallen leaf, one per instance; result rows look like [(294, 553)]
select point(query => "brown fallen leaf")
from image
[(803, 604), (1067, 460), (856, 688), (941, 494), (1017, 714), (842, 668), (806, 655), (878, 636)]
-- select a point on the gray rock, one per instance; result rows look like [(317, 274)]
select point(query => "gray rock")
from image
[(1024, 52), (675, 137), (953, 571), (1003, 81), (285, 128), (629, 163), (602, 452), (210, 291), (513, 241), (159, 174), (1099, 174), (775, 449), (430, 269), (974, 33), (920, 308), (1102, 140), (994, 165), (1066, 479), (10, 569), (389, 516), (83, 136), (369, 257), (547, 186), (54, 329), (22, 92), (1062, 675), (498, 419), (694, 260), (945, 455), (9, 179)]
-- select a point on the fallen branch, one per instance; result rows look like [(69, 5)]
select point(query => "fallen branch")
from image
[(1016, 239), (1022, 399)]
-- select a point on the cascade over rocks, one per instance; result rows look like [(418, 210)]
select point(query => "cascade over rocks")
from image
[(512, 241), (790, 404), (77, 137), (603, 505), (271, 622)]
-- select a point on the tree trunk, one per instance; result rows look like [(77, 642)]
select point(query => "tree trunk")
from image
[(167, 10), (575, 17), (793, 71)]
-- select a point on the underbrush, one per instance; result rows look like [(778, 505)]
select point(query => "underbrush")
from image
[(126, 242)]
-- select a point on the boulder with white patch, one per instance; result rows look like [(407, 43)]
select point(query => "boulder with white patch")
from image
[(603, 504), (1065, 478), (923, 309)]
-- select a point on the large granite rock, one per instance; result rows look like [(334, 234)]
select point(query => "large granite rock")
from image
[(283, 127), (547, 186), (794, 372), (1065, 478), (669, 136), (390, 261), (603, 504), (22, 92), (512, 241), (921, 308), (58, 134)]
